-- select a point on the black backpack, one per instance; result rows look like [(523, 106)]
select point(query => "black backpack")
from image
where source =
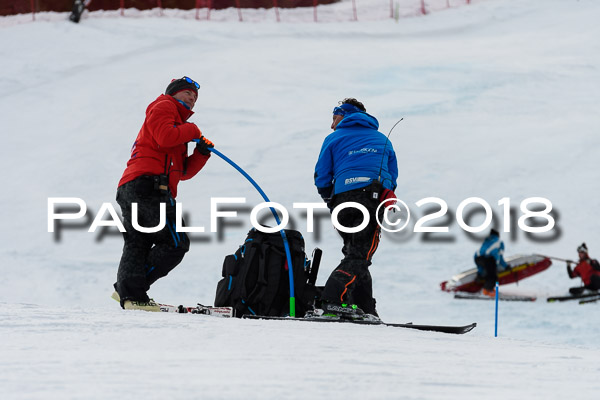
[(256, 278)]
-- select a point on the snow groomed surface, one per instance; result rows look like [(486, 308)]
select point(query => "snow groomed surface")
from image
[(497, 100)]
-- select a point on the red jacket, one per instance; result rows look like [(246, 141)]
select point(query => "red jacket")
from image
[(161, 145), (585, 269)]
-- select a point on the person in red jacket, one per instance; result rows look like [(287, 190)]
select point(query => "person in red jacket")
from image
[(587, 269), (158, 161)]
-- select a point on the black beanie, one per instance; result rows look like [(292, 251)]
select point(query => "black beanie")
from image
[(177, 85)]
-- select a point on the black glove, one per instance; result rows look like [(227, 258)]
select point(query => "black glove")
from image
[(325, 193), (570, 270), (203, 144)]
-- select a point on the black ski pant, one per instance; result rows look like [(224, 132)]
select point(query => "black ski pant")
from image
[(147, 256), (351, 281), (593, 285), (487, 269), (594, 282)]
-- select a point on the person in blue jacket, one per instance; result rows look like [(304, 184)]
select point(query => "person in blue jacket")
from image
[(357, 163), (488, 259)]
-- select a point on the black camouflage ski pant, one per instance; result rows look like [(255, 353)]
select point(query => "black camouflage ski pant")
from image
[(146, 256), (351, 281)]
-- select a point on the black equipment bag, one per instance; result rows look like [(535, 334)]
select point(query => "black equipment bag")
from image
[(256, 278)]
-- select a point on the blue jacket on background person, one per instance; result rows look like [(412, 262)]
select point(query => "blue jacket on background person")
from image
[(351, 157), (493, 247)]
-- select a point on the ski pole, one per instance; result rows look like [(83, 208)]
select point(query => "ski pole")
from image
[(556, 258), (286, 245)]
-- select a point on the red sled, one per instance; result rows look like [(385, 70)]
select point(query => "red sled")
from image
[(522, 266)]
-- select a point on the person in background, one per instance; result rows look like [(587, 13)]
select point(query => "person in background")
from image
[(587, 269), (158, 161), (357, 163), (77, 9), (489, 258)]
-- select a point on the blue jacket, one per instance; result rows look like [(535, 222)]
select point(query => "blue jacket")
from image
[(352, 155), (493, 247)]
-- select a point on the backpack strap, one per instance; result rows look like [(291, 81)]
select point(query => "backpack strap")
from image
[(261, 278), (268, 282), (240, 293), (273, 263)]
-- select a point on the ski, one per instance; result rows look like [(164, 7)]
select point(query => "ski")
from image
[(459, 330), (226, 312), (572, 297), (590, 300), (502, 297)]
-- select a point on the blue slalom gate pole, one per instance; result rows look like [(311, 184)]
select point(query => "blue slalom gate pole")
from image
[(286, 245), (496, 323)]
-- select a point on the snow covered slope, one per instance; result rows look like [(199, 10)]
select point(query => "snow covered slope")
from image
[(499, 100)]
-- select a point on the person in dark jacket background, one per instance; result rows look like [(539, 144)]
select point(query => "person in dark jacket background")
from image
[(357, 163), (158, 161)]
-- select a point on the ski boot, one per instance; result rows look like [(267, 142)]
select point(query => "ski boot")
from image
[(149, 305), (347, 311)]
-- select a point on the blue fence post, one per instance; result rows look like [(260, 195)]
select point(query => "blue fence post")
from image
[(496, 323)]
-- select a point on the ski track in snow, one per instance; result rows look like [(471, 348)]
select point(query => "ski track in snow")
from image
[(498, 101)]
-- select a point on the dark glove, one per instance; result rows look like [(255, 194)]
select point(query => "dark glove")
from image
[(570, 270), (325, 192), (203, 144)]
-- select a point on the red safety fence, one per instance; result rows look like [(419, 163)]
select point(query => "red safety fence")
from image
[(12, 7)]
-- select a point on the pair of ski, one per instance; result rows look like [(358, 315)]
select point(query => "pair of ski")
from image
[(228, 313), (501, 296), (583, 298)]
